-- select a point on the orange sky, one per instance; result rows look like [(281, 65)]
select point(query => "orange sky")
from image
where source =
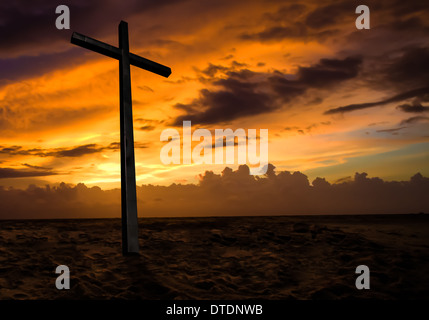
[(59, 103)]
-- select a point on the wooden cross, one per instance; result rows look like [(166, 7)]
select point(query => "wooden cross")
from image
[(130, 242)]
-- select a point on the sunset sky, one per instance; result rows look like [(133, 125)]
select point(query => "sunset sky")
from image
[(336, 100)]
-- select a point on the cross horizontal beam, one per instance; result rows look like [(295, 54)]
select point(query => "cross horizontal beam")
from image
[(115, 53)]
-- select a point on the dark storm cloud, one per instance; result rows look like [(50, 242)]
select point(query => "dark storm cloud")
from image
[(235, 68), (416, 119), (237, 193), (21, 114), (411, 24), (329, 15), (223, 144), (23, 173), (396, 98), (77, 151), (148, 124), (413, 108), (247, 93), (12, 150), (404, 8), (13, 69), (73, 152), (236, 99), (32, 24), (393, 25), (286, 13), (59, 152), (286, 89), (393, 130), (347, 179), (407, 70), (147, 128), (290, 128), (277, 33), (410, 69), (27, 24), (32, 45), (297, 21), (213, 69), (35, 167), (329, 71), (309, 128), (145, 88)]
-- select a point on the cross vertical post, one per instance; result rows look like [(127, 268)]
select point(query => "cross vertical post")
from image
[(130, 243), (130, 240)]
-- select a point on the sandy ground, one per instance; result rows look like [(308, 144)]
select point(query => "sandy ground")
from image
[(218, 258)]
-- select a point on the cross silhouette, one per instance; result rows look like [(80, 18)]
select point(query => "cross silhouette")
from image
[(130, 242)]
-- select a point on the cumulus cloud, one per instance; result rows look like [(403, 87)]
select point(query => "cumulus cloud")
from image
[(63, 201), (227, 194)]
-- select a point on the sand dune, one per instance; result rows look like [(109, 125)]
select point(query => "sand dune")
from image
[(218, 258)]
